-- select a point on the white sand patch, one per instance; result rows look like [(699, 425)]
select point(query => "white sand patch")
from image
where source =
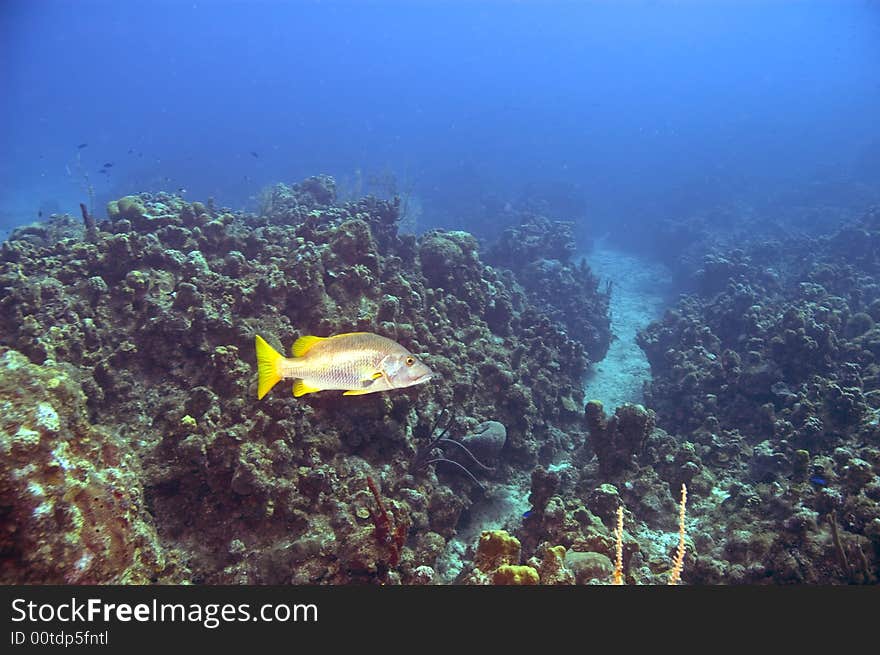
[(639, 295)]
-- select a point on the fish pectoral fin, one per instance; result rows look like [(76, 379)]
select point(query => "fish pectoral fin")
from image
[(366, 386), (304, 344), (369, 381), (300, 388)]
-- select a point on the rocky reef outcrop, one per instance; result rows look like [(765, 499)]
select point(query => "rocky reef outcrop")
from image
[(539, 252), (74, 510), (763, 404), (154, 318), (771, 373), (135, 449)]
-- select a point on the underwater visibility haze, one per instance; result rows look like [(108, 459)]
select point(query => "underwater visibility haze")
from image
[(440, 292)]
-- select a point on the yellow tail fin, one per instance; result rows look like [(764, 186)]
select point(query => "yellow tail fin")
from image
[(268, 360)]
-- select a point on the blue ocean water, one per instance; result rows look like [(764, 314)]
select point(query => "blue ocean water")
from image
[(606, 113)]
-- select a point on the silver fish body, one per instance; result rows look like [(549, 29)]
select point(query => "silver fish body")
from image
[(356, 362)]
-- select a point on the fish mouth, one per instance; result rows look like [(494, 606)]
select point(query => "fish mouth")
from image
[(426, 377)]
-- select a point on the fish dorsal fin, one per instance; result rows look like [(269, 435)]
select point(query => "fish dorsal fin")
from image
[(304, 344), (300, 388)]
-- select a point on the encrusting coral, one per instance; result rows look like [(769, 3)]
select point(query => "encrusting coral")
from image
[(73, 511)]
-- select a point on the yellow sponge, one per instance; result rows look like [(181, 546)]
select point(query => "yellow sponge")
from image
[(509, 574), (496, 547)]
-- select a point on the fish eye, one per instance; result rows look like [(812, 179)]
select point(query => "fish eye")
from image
[(410, 361)]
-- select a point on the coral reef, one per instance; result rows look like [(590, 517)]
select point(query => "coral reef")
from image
[(539, 251), (618, 440), (135, 449), (770, 372), (155, 318), (73, 509)]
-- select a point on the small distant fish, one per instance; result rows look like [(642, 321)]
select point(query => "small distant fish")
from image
[(40, 214), (82, 145), (818, 480), (103, 171), (109, 164), (356, 362), (527, 514), (254, 155), (181, 190), (130, 151)]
